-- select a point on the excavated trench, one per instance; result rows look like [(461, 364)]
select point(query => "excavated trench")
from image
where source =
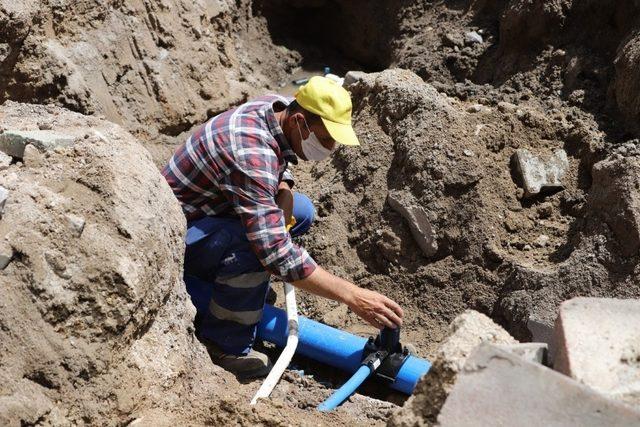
[(440, 140)]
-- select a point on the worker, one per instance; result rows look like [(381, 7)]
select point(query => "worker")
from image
[(232, 180)]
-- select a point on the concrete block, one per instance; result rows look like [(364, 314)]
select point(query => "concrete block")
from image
[(535, 352), (13, 142), (536, 174), (598, 344), (5, 161), (418, 221), (498, 388)]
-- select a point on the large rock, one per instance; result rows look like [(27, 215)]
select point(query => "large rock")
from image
[(499, 388), (598, 344), (468, 330), (94, 317)]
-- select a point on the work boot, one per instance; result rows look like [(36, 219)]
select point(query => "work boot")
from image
[(253, 365)]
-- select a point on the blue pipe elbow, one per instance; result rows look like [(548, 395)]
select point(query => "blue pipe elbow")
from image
[(334, 347)]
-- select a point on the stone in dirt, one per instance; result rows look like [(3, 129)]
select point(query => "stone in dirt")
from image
[(500, 388), (418, 221), (537, 174), (5, 160), (352, 77), (468, 330), (6, 253), (598, 344), (4, 195), (13, 142), (76, 223), (472, 37)]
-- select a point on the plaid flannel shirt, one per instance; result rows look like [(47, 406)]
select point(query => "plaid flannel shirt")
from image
[(232, 166)]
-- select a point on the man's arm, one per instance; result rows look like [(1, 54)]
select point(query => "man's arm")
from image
[(284, 200), (373, 307)]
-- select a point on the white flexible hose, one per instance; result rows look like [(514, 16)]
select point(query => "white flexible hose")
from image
[(287, 353)]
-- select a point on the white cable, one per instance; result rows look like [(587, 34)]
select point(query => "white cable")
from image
[(287, 353)]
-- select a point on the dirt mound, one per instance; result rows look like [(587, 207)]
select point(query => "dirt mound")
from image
[(156, 67), (94, 314), (552, 53), (509, 256)]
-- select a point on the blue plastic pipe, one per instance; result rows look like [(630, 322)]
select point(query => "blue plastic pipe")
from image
[(334, 347), (346, 390)]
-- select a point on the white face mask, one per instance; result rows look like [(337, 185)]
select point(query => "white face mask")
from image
[(312, 148)]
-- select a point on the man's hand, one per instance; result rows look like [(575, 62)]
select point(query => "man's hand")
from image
[(373, 307)]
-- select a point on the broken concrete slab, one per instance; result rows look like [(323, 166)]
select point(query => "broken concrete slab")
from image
[(13, 142), (598, 344), (535, 352), (418, 221), (500, 388), (536, 174), (468, 330)]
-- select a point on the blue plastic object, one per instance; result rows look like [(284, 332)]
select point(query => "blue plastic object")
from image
[(346, 390), (334, 347)]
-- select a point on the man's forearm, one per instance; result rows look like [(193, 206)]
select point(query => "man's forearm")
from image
[(327, 285), (373, 307)]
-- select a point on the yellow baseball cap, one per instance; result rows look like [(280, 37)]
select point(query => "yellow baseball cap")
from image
[(330, 101)]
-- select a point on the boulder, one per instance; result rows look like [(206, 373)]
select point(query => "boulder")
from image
[(598, 344)]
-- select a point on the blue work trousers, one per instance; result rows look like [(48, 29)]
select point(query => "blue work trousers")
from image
[(227, 283)]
